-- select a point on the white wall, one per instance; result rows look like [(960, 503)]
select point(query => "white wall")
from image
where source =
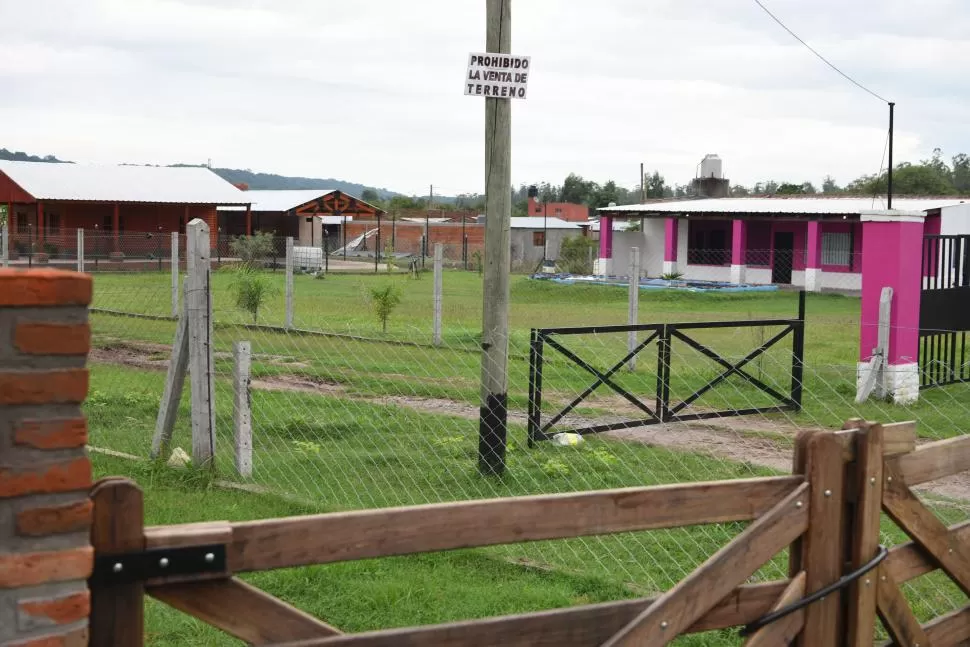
[(307, 234), (841, 281), (955, 219), (651, 244)]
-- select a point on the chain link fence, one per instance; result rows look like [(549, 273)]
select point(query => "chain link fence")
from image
[(357, 403)]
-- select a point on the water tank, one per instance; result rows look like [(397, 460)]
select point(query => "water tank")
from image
[(711, 166)]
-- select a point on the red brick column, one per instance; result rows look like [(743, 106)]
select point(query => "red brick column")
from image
[(45, 512)]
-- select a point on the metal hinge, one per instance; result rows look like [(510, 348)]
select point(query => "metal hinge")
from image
[(158, 563)]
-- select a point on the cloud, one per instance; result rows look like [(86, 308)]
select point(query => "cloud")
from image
[(370, 91)]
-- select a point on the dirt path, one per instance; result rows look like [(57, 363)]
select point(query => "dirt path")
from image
[(758, 441)]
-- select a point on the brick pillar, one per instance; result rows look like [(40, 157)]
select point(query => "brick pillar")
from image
[(670, 245), (813, 262), (45, 475), (605, 264), (739, 244)]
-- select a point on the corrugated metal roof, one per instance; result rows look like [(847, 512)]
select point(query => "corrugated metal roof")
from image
[(817, 206), (282, 199), (535, 222), (160, 184), (618, 225)]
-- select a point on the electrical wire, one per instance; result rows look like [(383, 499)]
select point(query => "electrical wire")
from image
[(882, 164), (820, 57)]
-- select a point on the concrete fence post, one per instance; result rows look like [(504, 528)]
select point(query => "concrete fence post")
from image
[(288, 322), (201, 368), (175, 273), (634, 304), (241, 415), (80, 250), (438, 252), (45, 475)]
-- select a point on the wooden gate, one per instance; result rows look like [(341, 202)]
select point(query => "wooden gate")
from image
[(827, 514)]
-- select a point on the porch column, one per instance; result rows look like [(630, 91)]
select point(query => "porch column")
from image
[(115, 226), (11, 221), (605, 265), (891, 257), (670, 245), (739, 243), (249, 220), (41, 222), (813, 261)]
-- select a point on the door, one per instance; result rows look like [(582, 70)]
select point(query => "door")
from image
[(784, 248)]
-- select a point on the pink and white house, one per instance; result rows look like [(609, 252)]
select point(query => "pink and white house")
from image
[(811, 242)]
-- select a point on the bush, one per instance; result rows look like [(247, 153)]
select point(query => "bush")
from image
[(574, 255), (251, 289), (384, 300), (252, 249), (50, 249)]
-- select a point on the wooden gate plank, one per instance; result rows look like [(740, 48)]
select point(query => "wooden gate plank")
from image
[(320, 539), (784, 630), (823, 543), (934, 460), (700, 591), (919, 522), (580, 626), (117, 611), (865, 533), (910, 560), (896, 615), (242, 611)]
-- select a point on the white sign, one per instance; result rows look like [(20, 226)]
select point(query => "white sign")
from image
[(500, 76)]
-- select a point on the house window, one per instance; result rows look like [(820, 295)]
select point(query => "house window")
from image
[(708, 243), (538, 239), (53, 222), (836, 248)]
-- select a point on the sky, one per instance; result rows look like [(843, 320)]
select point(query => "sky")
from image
[(371, 91)]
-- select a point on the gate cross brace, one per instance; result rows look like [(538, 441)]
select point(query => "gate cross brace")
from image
[(601, 378)]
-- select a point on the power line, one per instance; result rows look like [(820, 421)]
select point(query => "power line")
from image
[(820, 57)]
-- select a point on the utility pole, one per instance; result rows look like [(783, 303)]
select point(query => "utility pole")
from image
[(889, 177), (493, 414), (643, 186)]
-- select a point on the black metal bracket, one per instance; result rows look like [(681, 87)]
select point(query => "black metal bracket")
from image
[(839, 584), (124, 568)]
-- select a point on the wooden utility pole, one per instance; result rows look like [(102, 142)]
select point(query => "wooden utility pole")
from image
[(643, 186), (493, 415)]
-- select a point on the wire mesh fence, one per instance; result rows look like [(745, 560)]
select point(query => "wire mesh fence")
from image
[(352, 408)]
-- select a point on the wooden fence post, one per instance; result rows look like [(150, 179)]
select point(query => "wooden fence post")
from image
[(174, 384), (241, 417), (634, 304), (117, 610), (80, 250), (822, 546), (288, 322), (174, 257), (199, 311), (437, 292), (866, 475)]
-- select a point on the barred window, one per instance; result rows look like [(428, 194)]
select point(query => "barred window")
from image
[(836, 248)]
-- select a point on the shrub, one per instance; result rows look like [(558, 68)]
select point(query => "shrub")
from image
[(384, 300), (575, 255), (251, 289), (672, 276), (50, 249), (252, 249)]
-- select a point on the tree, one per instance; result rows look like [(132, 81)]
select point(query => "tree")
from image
[(961, 173), (575, 254), (577, 190), (370, 196), (602, 196), (738, 191), (657, 186), (251, 288), (384, 300), (829, 185), (252, 250), (789, 188)]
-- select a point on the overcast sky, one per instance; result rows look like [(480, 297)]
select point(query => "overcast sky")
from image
[(371, 90)]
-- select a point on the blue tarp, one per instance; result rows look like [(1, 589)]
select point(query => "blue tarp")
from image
[(688, 285)]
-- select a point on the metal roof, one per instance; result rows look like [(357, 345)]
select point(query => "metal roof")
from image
[(618, 225), (156, 184), (536, 222), (281, 199), (814, 206)]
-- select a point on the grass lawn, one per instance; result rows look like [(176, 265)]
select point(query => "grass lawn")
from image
[(339, 304)]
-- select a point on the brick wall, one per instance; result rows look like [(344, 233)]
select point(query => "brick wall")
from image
[(45, 475)]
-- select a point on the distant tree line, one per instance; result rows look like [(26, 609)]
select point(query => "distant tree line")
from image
[(20, 156)]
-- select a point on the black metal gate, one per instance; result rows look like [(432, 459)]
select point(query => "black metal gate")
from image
[(665, 408), (944, 316)]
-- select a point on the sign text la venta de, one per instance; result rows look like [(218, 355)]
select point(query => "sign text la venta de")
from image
[(500, 76)]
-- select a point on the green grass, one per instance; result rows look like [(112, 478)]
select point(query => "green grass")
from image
[(338, 304)]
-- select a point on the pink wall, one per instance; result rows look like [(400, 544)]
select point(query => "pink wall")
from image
[(758, 253), (891, 258), (845, 228), (671, 227), (739, 241), (606, 236)]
